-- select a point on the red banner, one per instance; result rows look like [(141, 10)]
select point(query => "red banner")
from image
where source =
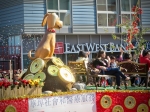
[(21, 105), (127, 101)]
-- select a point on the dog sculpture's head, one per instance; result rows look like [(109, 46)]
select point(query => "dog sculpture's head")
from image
[(52, 20)]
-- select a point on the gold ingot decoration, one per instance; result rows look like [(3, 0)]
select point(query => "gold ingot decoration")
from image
[(53, 70), (106, 101), (10, 108), (40, 75), (65, 75), (142, 108), (57, 62), (130, 102), (37, 65), (118, 108), (28, 77)]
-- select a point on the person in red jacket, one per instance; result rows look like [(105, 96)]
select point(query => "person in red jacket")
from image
[(144, 58)]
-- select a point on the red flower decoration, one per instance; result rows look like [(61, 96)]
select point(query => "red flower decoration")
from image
[(16, 83), (134, 8), (1, 83), (134, 24), (139, 11)]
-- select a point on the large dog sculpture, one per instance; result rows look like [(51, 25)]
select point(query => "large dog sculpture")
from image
[(45, 49)]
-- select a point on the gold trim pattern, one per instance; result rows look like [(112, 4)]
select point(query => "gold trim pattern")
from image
[(10, 108), (118, 108), (106, 101), (37, 65), (142, 108), (130, 102)]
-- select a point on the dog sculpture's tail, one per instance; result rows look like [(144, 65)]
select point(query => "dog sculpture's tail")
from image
[(29, 55)]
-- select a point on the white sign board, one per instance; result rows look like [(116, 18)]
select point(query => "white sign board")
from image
[(93, 47), (69, 103)]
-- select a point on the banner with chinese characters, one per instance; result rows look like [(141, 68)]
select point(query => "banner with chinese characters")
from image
[(84, 102)]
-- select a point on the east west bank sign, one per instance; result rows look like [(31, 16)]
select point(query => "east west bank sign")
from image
[(93, 47)]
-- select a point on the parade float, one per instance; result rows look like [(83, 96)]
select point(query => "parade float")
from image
[(48, 73)]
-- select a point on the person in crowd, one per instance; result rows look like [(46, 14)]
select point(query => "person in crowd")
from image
[(17, 75), (104, 65), (128, 57), (113, 62), (93, 71), (144, 58), (82, 56)]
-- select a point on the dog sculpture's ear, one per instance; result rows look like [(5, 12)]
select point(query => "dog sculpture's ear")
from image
[(45, 19)]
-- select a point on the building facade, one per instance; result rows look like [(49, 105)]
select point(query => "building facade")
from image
[(88, 26)]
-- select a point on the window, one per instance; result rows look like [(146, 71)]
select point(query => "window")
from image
[(106, 10), (125, 5), (52, 4), (101, 5), (126, 9), (125, 18), (62, 8), (64, 4), (102, 19), (112, 20), (14, 42), (111, 5)]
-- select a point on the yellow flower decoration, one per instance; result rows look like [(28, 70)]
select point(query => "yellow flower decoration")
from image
[(36, 81)]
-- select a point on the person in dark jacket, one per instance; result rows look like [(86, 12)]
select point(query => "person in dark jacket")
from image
[(104, 65)]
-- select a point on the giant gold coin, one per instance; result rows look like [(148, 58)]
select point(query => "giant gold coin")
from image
[(57, 62), (65, 66), (118, 108), (28, 77), (37, 65), (106, 101), (130, 102), (40, 75), (142, 108), (65, 75), (10, 108), (53, 70)]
